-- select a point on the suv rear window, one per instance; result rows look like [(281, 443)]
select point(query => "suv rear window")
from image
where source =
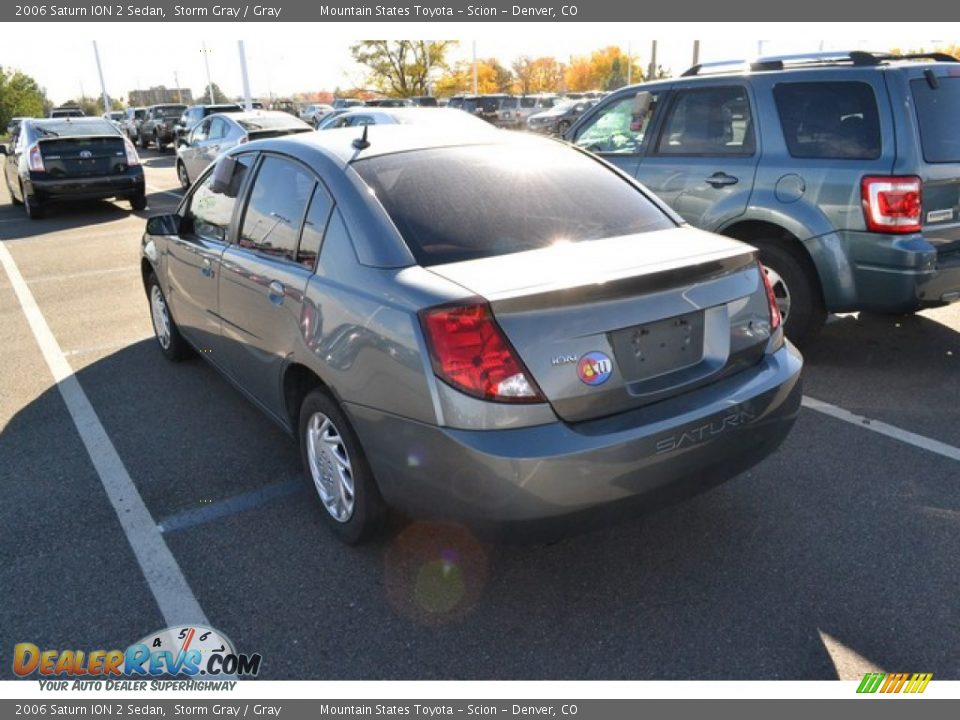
[(829, 120), (463, 203), (937, 113)]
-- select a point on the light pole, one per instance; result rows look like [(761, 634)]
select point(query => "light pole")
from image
[(206, 64), (247, 100), (103, 87)]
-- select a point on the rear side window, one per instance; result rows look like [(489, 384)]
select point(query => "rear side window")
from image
[(278, 200), (454, 204), (708, 121), (829, 120), (938, 111), (314, 226)]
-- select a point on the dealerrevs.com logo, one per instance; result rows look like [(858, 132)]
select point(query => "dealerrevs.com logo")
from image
[(192, 651)]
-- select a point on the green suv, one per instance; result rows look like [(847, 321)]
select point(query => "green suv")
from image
[(843, 168)]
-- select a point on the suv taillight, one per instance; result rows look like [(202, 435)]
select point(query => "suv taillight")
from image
[(775, 318), (891, 204), (470, 352), (132, 157), (35, 159)]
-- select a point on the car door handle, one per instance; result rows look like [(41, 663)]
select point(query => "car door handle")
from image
[(206, 268), (276, 292), (721, 179)]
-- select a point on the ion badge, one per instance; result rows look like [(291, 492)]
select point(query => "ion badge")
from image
[(594, 368)]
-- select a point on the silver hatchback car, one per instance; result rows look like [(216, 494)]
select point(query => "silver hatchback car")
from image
[(490, 327)]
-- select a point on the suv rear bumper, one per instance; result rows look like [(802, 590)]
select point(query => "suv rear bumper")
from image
[(562, 476), (899, 273)]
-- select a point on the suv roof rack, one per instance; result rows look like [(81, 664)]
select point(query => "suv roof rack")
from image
[(834, 57)]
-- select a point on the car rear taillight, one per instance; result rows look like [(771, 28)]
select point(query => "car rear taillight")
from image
[(132, 157), (243, 139), (470, 352), (775, 318), (35, 159), (891, 204)]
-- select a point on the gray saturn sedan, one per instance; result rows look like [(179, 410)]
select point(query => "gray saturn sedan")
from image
[(482, 326)]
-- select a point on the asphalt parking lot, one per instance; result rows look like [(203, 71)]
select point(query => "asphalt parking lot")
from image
[(836, 556)]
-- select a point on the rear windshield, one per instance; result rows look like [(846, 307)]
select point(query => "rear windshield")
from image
[(489, 104), (937, 112), (64, 128), (454, 204), (170, 111)]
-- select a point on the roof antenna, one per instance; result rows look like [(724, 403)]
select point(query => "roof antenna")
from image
[(361, 143)]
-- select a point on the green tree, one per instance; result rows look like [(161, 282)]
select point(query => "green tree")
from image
[(218, 96), (19, 96), (400, 67)]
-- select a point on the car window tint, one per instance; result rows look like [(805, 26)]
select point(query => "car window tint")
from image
[(619, 128), (271, 223), (314, 226), (830, 120), (453, 204), (209, 212), (937, 112), (708, 121)]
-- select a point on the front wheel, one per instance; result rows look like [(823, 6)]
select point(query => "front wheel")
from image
[(182, 175), (796, 289), (171, 342), (337, 467)]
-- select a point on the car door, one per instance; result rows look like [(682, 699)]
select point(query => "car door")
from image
[(619, 129), (193, 257), (192, 154), (213, 145), (266, 272), (704, 159)]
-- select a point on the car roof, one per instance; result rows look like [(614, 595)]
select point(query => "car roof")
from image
[(391, 139), (253, 114)]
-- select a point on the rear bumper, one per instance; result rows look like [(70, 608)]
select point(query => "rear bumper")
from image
[(561, 475), (900, 273), (86, 188)]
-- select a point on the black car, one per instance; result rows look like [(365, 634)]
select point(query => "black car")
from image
[(195, 113), (71, 159), (486, 107), (158, 126)]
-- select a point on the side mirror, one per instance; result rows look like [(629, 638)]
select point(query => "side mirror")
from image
[(226, 177), (163, 225)]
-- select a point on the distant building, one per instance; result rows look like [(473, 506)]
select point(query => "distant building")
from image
[(160, 94)]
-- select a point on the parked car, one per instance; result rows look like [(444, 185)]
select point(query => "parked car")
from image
[(453, 338), (71, 159), (288, 106), (195, 113), (390, 102), (485, 107), (159, 124), (559, 118), (341, 103), (314, 113), (425, 101), (434, 117), (218, 133), (115, 117), (131, 123), (842, 168), (66, 112), (456, 102)]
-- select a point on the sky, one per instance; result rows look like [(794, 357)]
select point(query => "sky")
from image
[(285, 58)]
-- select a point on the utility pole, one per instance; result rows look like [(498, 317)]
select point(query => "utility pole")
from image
[(176, 84), (103, 87), (206, 64), (652, 73), (247, 100)]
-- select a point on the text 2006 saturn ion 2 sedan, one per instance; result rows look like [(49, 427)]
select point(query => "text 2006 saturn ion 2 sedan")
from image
[(476, 326)]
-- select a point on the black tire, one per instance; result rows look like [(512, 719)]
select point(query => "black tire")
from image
[(33, 210), (143, 141), (160, 146), (369, 510), (176, 348), (806, 314), (138, 202), (182, 175)]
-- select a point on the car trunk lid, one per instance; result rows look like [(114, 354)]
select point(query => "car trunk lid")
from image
[(83, 156), (608, 325)]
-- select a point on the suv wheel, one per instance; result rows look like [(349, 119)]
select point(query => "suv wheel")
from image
[(795, 286), (171, 342), (337, 467), (138, 202)]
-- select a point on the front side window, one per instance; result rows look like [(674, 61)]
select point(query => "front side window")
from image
[(209, 212), (829, 120), (621, 127), (278, 201), (200, 132), (712, 121), (218, 129), (477, 201)]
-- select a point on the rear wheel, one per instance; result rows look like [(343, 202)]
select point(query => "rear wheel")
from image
[(337, 467), (168, 336), (138, 202), (796, 289), (31, 207), (182, 175)]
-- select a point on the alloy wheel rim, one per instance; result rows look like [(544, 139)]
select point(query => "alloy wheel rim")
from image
[(160, 317), (781, 292), (330, 467)]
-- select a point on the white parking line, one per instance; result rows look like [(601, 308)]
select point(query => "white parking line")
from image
[(174, 597), (904, 436)]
